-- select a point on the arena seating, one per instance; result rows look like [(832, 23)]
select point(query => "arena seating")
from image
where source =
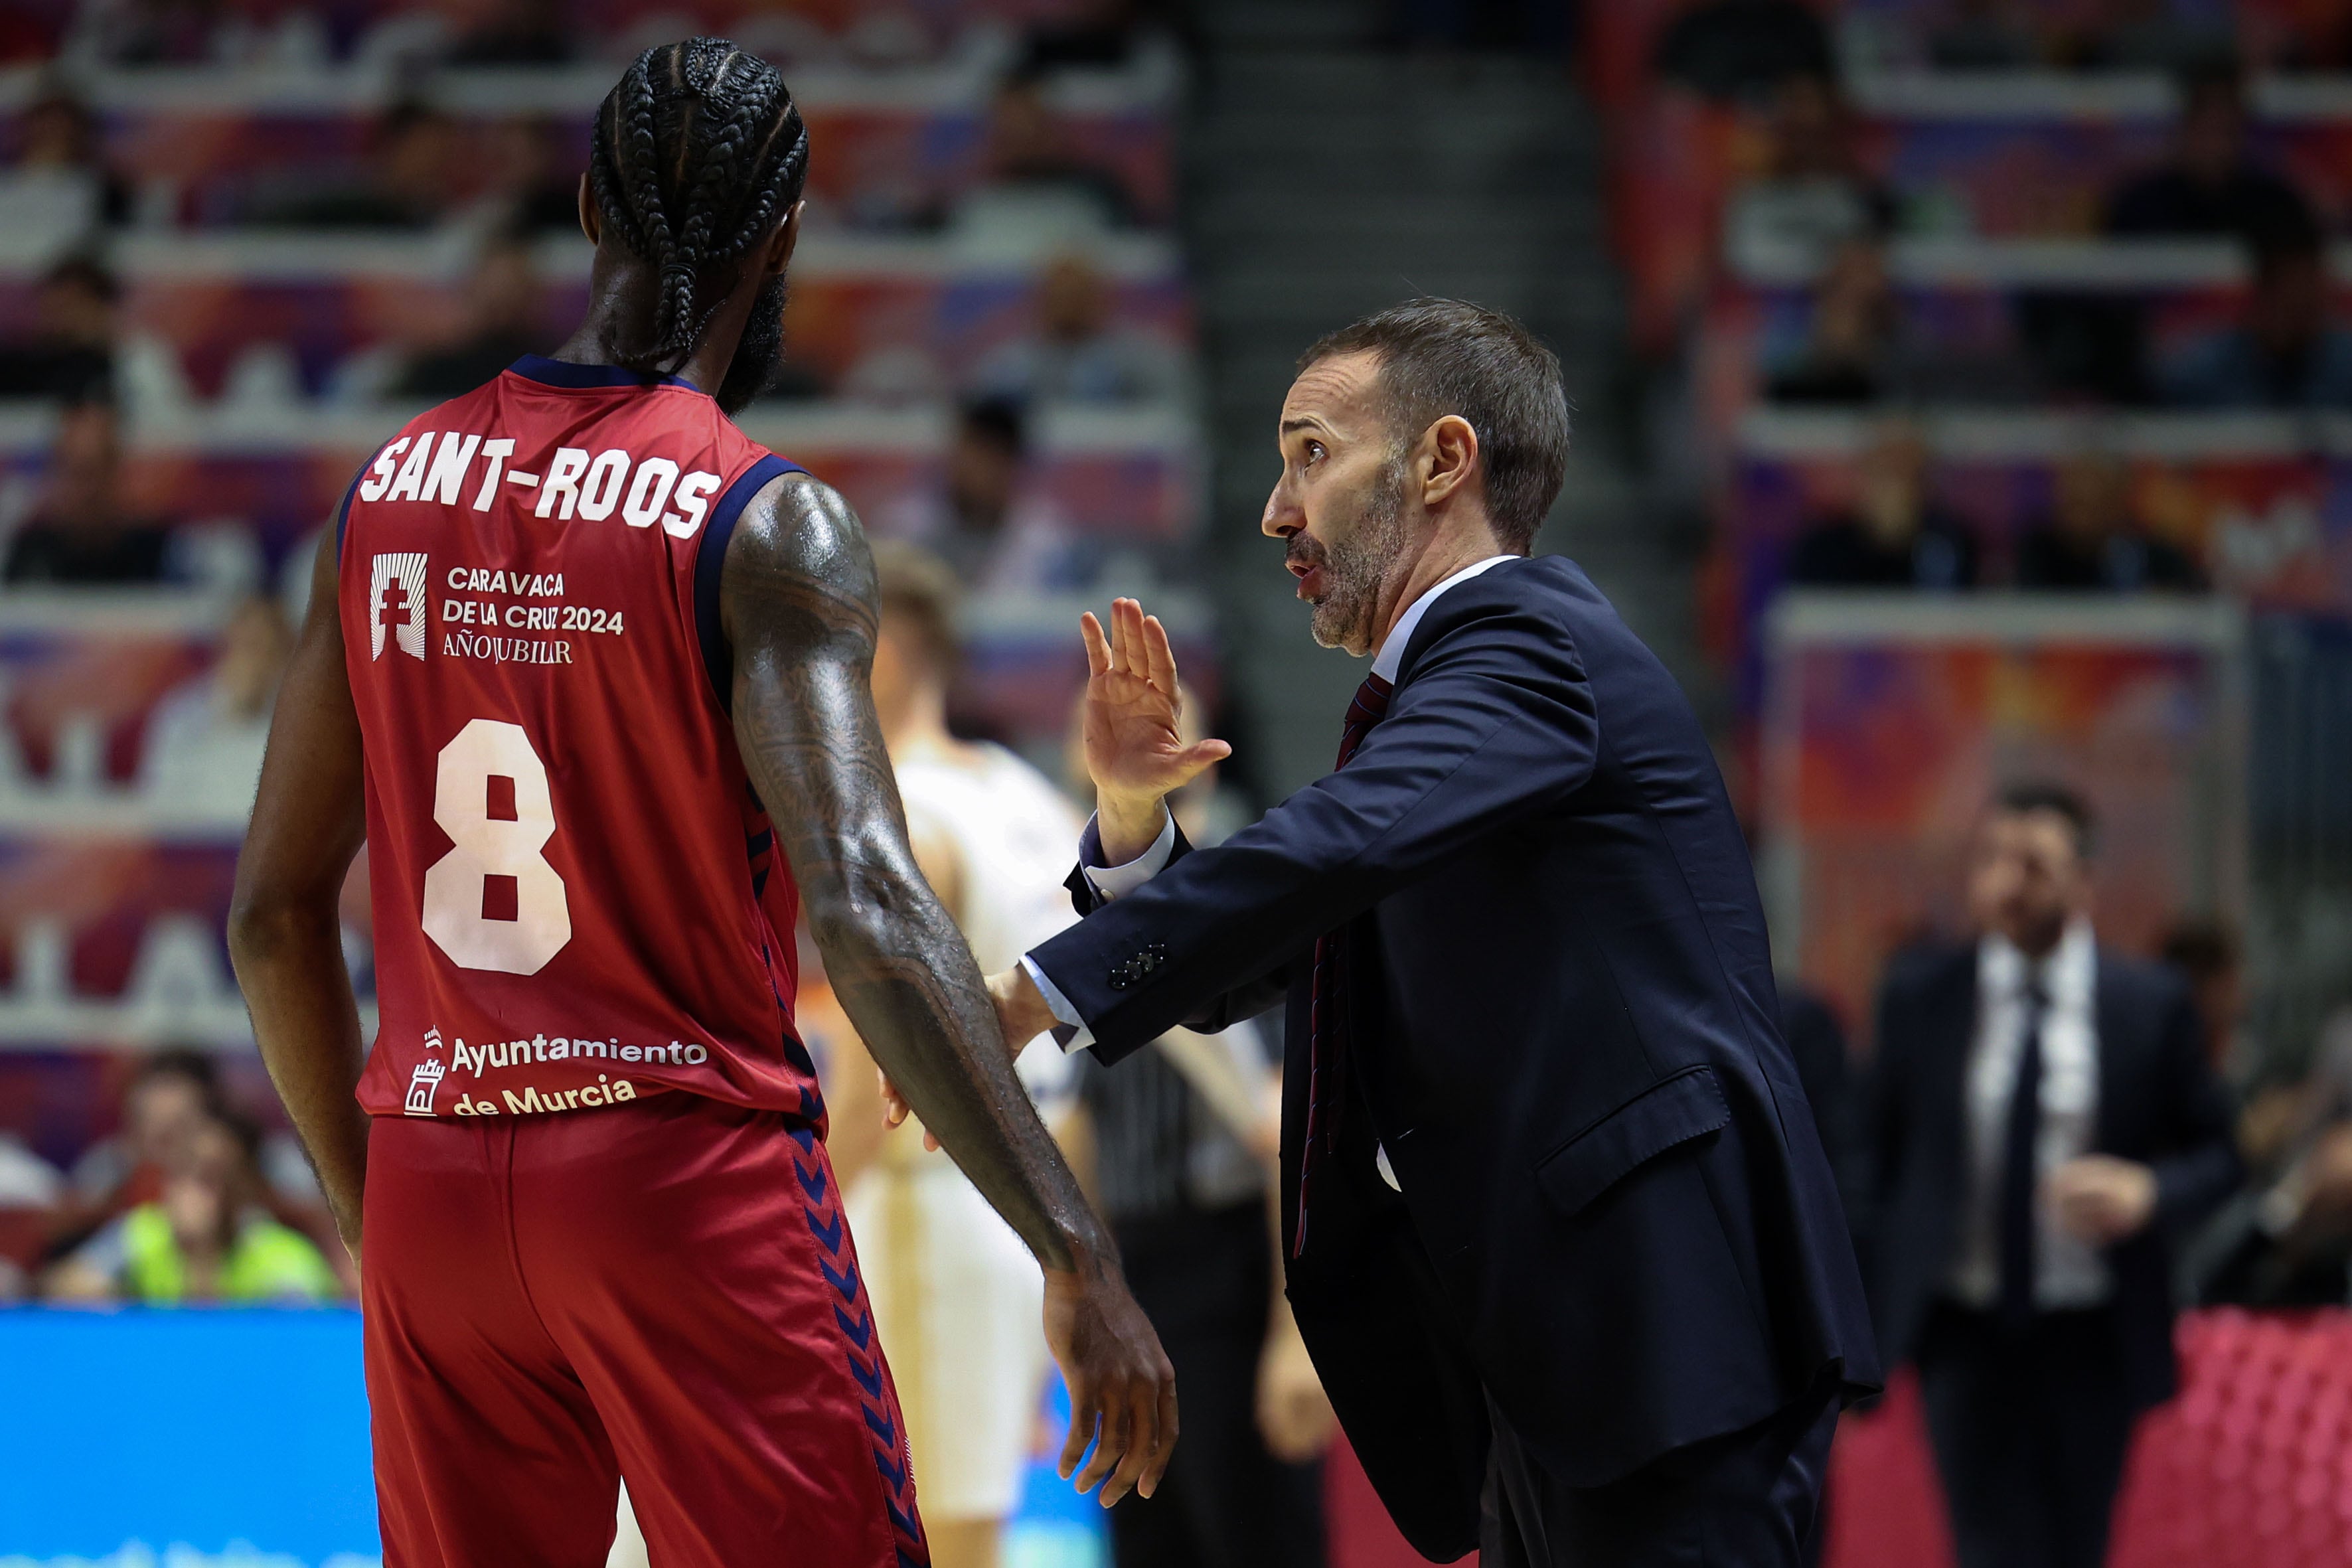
[(244, 422)]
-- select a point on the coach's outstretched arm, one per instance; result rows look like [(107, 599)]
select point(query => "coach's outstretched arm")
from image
[(799, 607), (284, 934)]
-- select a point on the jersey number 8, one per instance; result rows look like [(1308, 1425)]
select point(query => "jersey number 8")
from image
[(493, 902)]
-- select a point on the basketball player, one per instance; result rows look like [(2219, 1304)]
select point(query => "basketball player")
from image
[(954, 1291), (588, 670)]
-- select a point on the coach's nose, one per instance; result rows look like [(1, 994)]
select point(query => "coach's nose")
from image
[(1284, 516)]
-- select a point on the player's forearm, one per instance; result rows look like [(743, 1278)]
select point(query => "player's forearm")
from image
[(904, 975), (289, 962)]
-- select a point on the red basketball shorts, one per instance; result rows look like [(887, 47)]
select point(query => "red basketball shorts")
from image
[(664, 1291)]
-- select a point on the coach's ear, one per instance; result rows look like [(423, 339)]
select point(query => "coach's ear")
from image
[(592, 222), (1447, 459)]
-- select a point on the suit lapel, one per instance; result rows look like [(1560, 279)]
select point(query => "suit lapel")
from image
[(1952, 1032), (2109, 1007)]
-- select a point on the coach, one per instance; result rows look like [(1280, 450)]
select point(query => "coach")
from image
[(1561, 1234)]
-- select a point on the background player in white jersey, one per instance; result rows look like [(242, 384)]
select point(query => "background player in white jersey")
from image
[(954, 1288)]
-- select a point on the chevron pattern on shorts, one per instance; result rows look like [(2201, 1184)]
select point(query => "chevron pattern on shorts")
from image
[(821, 1207)]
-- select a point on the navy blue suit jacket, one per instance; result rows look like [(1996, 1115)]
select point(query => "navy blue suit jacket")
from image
[(1617, 1221), (2159, 1103)]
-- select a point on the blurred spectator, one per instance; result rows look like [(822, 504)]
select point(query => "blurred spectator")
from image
[(205, 1237), (536, 186), (1893, 537), (2287, 1243), (2151, 36), (27, 1181), (79, 531), (1743, 48), (2206, 955), (512, 33), (1814, 194), (1853, 333), (2043, 1127), (70, 356), (413, 154), (171, 1093), (1038, 189), (58, 187), (500, 326), (2284, 351), (204, 742), (1859, 349), (2091, 541), (2211, 184), (1983, 36), (196, 32), (1096, 35), (980, 523), (1077, 353)]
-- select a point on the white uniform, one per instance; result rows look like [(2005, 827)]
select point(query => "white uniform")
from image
[(958, 1297)]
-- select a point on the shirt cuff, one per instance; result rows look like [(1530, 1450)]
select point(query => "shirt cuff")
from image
[(1073, 1033), (1117, 881)]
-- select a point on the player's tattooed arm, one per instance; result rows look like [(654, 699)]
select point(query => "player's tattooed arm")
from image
[(285, 934), (799, 607)]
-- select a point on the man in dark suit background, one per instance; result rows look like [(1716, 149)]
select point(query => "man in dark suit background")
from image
[(1558, 1229), (2042, 1122)]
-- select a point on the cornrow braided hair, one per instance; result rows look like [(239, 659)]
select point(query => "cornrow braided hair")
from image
[(698, 150)]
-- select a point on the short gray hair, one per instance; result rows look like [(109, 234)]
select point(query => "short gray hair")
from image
[(1449, 356)]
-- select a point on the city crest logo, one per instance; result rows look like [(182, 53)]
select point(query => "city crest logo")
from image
[(396, 603)]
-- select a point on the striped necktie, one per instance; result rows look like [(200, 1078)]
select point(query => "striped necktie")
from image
[(1326, 1022)]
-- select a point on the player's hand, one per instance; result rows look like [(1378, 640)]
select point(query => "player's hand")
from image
[(1135, 752), (1294, 1413), (1122, 1390), (2101, 1199)]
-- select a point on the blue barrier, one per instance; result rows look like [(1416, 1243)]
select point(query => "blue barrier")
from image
[(214, 1437), (211, 1428)]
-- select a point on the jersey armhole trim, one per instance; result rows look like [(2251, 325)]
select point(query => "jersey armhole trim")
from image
[(709, 563), (344, 511)]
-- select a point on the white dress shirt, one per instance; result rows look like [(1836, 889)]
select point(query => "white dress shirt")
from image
[(2068, 1272), (1110, 882)]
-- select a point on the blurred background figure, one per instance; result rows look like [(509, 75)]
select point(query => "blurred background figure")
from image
[(81, 531), (58, 188), (408, 182), (995, 534), (1040, 190), (1077, 353), (1181, 1143), (1814, 194), (2093, 542), (173, 1091), (204, 1237), (1984, 35), (69, 356), (2287, 350), (498, 324), (2287, 1240), (2043, 1128), (1893, 536), (2211, 184), (1743, 48), (204, 742), (956, 1295)]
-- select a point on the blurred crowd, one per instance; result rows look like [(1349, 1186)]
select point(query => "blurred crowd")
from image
[(1814, 205)]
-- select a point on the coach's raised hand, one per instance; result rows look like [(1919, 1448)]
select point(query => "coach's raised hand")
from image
[(1136, 751)]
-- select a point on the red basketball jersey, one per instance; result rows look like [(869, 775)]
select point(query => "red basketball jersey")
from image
[(578, 898)]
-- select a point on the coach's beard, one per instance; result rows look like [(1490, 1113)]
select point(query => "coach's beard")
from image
[(1353, 566)]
